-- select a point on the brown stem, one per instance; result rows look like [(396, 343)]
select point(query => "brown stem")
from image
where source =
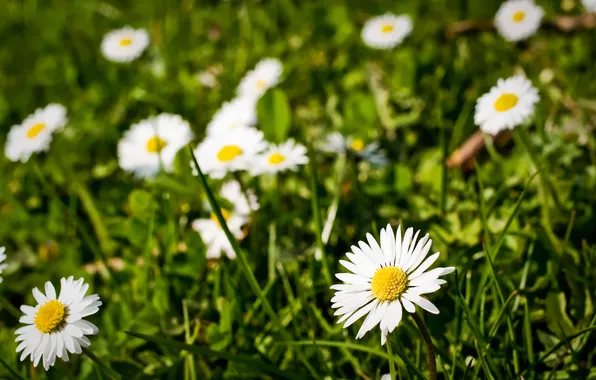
[(430, 349), (463, 155)]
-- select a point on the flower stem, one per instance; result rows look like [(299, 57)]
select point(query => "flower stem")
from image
[(391, 362), (104, 367), (430, 349)]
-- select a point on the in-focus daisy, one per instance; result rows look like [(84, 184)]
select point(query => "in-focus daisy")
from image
[(2, 263), (124, 45), (240, 112), (34, 134), (233, 193), (518, 19), (507, 105), (151, 140), (56, 326), (590, 5), (276, 158), (265, 75), (386, 31), (337, 143), (384, 278), (214, 236), (221, 153)]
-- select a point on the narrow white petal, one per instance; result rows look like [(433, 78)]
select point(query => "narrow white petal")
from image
[(362, 311), (425, 265), (50, 291)]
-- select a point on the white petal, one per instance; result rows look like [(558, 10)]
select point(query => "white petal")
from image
[(410, 308), (425, 265), (373, 319), (419, 253), (388, 245), (50, 291), (352, 278), (397, 246), (422, 302), (360, 312), (404, 247), (39, 297)]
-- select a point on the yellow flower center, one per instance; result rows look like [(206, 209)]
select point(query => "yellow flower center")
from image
[(155, 144), (225, 213), (260, 84), (50, 316), (357, 145), (276, 158), (125, 42), (519, 16), (506, 102), (388, 283), (387, 28), (228, 153), (35, 130)]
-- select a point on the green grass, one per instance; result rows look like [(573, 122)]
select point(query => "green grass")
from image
[(519, 225)]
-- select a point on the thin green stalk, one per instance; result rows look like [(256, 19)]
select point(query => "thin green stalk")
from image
[(245, 265), (317, 221), (272, 251), (430, 349), (104, 367), (144, 283), (391, 363)]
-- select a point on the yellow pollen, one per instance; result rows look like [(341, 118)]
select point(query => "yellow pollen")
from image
[(225, 213), (387, 28), (50, 316), (506, 102), (357, 145), (388, 283), (228, 153), (155, 144), (276, 158), (519, 16), (35, 130), (260, 84), (125, 41)]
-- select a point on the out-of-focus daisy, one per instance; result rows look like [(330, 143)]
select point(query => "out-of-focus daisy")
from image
[(233, 193), (265, 75), (207, 79), (386, 376), (2, 263), (386, 31), (34, 134), (518, 19), (214, 236), (507, 105), (240, 112), (384, 278), (276, 158), (56, 326), (124, 45), (151, 140), (336, 143), (590, 5), (221, 153)]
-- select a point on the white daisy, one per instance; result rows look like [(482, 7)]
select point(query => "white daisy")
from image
[(277, 158), (34, 134), (590, 5), (336, 143), (56, 326), (265, 75), (386, 376), (507, 105), (233, 193), (125, 44), (240, 112), (384, 278), (214, 236), (151, 140), (518, 19), (386, 31), (2, 263), (221, 153)]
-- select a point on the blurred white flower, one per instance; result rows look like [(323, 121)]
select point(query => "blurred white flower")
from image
[(386, 31), (207, 79), (518, 19), (34, 134), (386, 376), (337, 143), (240, 112), (233, 193), (510, 103), (266, 74), (214, 236), (386, 278), (590, 5), (56, 326), (276, 158), (2, 263), (125, 44), (221, 153), (153, 140)]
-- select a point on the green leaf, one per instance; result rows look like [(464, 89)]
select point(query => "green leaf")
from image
[(274, 115), (140, 203), (557, 319), (403, 178)]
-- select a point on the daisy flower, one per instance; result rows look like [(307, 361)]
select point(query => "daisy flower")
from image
[(518, 19), (507, 105), (233, 193), (265, 75), (240, 112), (386, 278), (34, 134), (124, 45), (2, 263), (277, 158), (214, 236), (151, 140), (221, 153), (56, 326), (590, 5), (386, 31), (336, 143)]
